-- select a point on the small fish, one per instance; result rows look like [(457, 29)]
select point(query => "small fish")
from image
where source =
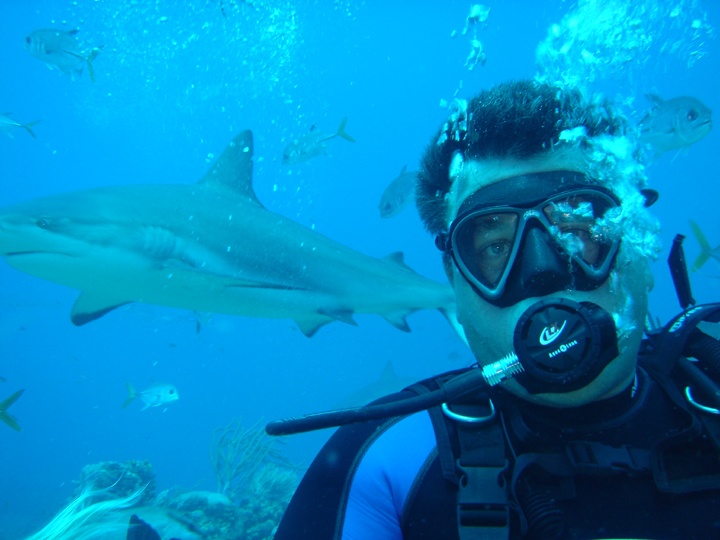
[(398, 193), (312, 144), (5, 405), (706, 250), (7, 124), (60, 49), (674, 124), (154, 396)]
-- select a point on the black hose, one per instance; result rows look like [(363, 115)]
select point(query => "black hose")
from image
[(706, 349), (543, 516), (455, 388)]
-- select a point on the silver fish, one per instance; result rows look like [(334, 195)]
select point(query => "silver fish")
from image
[(398, 193), (674, 123), (154, 396), (706, 250), (60, 49), (312, 144), (7, 125)]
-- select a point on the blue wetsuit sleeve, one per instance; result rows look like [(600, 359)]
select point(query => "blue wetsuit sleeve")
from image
[(384, 478)]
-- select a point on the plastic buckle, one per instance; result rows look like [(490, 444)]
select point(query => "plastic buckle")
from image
[(596, 458), (482, 503)]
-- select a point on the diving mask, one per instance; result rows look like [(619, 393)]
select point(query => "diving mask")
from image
[(552, 236)]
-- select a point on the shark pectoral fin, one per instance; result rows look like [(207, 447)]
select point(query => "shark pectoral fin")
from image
[(310, 325), (398, 321), (342, 315), (89, 307)]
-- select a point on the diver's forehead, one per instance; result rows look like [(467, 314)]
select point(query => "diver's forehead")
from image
[(474, 174)]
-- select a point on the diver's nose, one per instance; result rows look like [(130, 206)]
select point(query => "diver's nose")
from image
[(540, 270)]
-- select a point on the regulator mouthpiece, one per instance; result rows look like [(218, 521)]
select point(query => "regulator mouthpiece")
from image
[(563, 345)]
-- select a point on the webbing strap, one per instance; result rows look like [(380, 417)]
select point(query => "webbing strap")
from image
[(482, 499)]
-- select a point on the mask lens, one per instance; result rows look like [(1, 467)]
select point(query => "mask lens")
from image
[(485, 244), (485, 241), (574, 220)]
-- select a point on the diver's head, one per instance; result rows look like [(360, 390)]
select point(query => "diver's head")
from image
[(532, 196)]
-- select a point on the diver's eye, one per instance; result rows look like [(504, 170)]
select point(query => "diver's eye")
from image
[(692, 115), (43, 223)]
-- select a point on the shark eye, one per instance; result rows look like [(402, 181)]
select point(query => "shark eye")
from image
[(692, 115), (28, 40), (43, 223)]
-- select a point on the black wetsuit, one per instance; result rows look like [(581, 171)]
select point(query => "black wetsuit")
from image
[(640, 465)]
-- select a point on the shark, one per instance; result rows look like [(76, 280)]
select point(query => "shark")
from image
[(210, 246)]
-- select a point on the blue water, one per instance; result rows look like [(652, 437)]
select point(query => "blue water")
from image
[(173, 86)]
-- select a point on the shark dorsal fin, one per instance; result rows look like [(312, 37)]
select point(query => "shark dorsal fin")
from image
[(397, 258), (233, 169)]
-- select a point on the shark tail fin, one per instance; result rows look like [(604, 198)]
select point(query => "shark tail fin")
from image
[(5, 405), (705, 248), (131, 395), (89, 60), (341, 131), (28, 127)]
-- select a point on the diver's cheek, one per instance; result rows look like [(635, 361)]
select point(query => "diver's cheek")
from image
[(489, 329)]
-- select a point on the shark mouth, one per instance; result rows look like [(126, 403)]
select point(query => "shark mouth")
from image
[(29, 253)]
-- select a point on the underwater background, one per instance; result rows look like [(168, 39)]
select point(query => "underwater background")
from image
[(174, 83)]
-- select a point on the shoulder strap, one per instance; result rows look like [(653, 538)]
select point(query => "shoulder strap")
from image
[(662, 348), (472, 456)]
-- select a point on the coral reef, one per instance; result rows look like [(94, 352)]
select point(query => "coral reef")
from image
[(255, 484), (112, 479)]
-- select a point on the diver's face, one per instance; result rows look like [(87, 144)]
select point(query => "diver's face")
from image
[(489, 327)]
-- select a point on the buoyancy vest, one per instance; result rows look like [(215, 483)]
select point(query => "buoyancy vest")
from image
[(644, 464)]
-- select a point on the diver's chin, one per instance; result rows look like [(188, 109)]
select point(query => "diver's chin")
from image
[(606, 385)]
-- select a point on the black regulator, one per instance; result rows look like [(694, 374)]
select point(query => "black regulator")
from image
[(560, 346)]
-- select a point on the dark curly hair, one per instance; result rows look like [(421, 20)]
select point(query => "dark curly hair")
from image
[(517, 119)]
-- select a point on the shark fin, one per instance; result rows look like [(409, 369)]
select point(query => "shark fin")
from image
[(310, 325), (342, 315), (398, 321), (89, 307), (398, 258), (5, 405), (233, 169)]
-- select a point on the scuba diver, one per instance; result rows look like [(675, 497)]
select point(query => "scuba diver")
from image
[(572, 424)]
